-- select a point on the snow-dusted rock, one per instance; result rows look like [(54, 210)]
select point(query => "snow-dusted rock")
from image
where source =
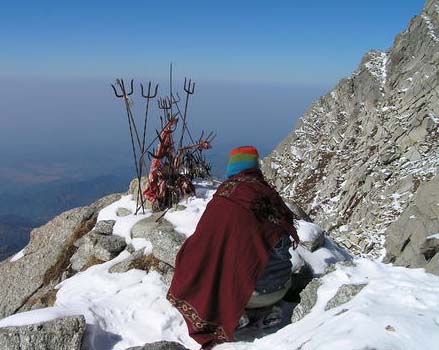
[(360, 153), (166, 241), (308, 298), (311, 235), (410, 240), (96, 248), (344, 294), (138, 260), (60, 334), (46, 258)]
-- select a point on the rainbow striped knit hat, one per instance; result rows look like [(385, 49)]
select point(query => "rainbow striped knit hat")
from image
[(242, 158)]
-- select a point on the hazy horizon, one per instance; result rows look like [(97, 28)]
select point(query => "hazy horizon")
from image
[(90, 132), (258, 67)]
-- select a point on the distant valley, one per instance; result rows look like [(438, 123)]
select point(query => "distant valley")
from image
[(22, 210)]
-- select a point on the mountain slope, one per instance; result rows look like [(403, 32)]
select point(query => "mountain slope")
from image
[(360, 153)]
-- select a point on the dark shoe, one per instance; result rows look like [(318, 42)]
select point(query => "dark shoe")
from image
[(272, 318)]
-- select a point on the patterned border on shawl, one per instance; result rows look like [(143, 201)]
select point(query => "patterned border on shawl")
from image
[(190, 313)]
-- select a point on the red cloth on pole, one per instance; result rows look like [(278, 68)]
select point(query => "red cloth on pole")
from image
[(218, 266)]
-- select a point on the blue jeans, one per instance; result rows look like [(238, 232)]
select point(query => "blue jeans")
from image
[(277, 273)]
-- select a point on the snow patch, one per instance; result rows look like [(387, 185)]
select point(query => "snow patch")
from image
[(123, 224), (17, 256), (430, 26), (142, 243), (377, 66)]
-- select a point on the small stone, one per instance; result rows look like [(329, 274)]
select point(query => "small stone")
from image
[(389, 328), (104, 227), (109, 247), (121, 212), (161, 345)]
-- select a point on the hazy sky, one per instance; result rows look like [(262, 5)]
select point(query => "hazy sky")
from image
[(258, 66), (292, 41)]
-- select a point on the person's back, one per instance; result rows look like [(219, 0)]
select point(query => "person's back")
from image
[(237, 256)]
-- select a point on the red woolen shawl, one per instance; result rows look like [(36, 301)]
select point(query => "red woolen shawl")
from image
[(218, 266)]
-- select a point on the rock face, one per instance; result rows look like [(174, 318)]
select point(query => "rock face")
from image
[(360, 153), (29, 280), (61, 334), (309, 295), (412, 239)]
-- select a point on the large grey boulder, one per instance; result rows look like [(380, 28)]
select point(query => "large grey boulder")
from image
[(308, 298), (166, 242), (360, 153), (60, 334), (96, 248), (161, 345), (46, 259), (309, 295), (410, 240)]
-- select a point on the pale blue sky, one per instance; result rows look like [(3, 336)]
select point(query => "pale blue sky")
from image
[(258, 67), (290, 41)]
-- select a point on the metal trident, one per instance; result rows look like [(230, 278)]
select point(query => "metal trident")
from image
[(189, 88), (132, 125)]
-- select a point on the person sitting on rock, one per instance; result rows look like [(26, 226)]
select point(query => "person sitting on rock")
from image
[(238, 256)]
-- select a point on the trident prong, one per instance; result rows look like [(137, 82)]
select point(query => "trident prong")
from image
[(121, 84), (189, 87), (164, 103), (149, 95)]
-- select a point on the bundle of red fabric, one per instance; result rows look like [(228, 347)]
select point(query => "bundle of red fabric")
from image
[(218, 266)]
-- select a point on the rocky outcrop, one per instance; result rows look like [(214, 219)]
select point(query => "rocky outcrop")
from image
[(309, 295), (308, 298), (138, 260), (166, 242), (95, 248), (28, 281), (413, 239), (61, 334), (361, 152), (161, 345), (344, 294)]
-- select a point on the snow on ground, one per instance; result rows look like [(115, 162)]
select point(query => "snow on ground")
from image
[(17, 256), (123, 224), (398, 309), (186, 220), (121, 309)]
